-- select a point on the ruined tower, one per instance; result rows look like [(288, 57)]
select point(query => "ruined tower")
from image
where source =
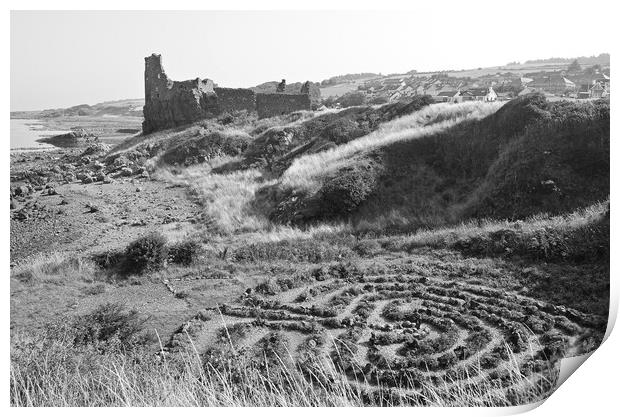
[(155, 78), (313, 91), (305, 88), (170, 103), (281, 88)]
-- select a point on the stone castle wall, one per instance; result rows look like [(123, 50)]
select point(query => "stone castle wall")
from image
[(171, 103), (269, 105), (235, 99)]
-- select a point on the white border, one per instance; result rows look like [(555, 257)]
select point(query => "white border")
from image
[(591, 391)]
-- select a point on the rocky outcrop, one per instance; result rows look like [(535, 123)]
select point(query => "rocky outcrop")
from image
[(75, 139)]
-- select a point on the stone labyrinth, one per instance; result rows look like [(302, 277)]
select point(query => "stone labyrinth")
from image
[(399, 331)]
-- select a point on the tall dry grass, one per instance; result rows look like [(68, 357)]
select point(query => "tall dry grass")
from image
[(287, 120), (56, 267), (447, 236), (54, 373), (228, 202), (305, 172), (226, 199)]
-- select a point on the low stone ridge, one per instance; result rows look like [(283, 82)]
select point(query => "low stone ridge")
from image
[(169, 103)]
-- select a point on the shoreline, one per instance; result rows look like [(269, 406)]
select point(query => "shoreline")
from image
[(29, 135), (109, 130)]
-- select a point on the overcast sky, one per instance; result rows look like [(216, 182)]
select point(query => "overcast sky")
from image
[(63, 58)]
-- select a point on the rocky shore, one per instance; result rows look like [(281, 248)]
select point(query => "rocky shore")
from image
[(84, 199)]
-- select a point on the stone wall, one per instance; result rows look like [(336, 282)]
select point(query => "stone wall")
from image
[(269, 105), (170, 103), (235, 99), (314, 91)]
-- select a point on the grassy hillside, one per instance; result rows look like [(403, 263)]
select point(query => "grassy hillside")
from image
[(401, 166), (448, 163), (276, 148)]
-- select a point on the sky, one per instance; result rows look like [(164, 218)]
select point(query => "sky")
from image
[(65, 58)]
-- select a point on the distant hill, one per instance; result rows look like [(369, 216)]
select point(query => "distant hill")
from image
[(601, 59), (339, 79), (342, 84), (127, 107)]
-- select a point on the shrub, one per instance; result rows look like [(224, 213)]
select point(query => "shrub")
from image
[(234, 333), (342, 194), (344, 130), (225, 118), (106, 322), (109, 259), (340, 270), (294, 250), (330, 101), (275, 286), (354, 98), (379, 100), (147, 253), (446, 360), (273, 347), (346, 271), (184, 253), (367, 247), (181, 294), (94, 289)]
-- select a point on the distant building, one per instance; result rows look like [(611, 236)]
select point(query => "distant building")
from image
[(392, 83), (448, 97), (479, 94), (554, 83), (597, 91), (584, 91), (509, 95), (520, 82), (605, 82), (590, 79), (432, 89)]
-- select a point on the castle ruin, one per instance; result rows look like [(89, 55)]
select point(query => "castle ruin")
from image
[(169, 103)]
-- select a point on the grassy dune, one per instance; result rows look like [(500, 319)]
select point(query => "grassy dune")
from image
[(471, 160), (306, 172)]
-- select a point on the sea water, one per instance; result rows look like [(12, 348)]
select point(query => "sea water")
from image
[(25, 132)]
